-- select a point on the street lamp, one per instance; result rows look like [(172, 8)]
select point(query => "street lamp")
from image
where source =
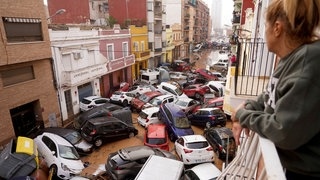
[(58, 12)]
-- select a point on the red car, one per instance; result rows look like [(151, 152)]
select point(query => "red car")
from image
[(181, 66), (206, 74), (156, 136), (196, 90), (138, 102), (214, 102)]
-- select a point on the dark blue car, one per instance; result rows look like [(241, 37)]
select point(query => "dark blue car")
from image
[(176, 121), (208, 117)]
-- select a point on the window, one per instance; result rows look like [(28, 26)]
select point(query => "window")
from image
[(150, 27), (110, 51), (125, 51), (150, 6), (142, 46), (18, 75), (22, 29), (136, 46)]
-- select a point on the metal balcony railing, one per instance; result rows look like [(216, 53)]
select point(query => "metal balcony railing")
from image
[(256, 159)]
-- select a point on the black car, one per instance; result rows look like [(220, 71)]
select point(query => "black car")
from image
[(127, 162), (74, 137), (108, 109), (222, 141), (106, 129), (208, 117)]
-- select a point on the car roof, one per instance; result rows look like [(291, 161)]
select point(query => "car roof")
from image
[(150, 109), (135, 152), (152, 93), (193, 138), (208, 109), (59, 130), (206, 170), (156, 131), (217, 99), (90, 98), (164, 96), (223, 132), (185, 99), (174, 109), (104, 119), (57, 139)]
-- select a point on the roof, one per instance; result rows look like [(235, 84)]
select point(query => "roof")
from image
[(156, 131), (193, 138), (151, 109), (102, 120), (92, 97), (223, 132), (57, 139)]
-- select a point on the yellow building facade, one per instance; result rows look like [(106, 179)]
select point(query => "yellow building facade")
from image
[(140, 48)]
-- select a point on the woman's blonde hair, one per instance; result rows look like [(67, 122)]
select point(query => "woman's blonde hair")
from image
[(301, 18)]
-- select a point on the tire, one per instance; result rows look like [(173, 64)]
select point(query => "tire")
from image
[(53, 171), (208, 125), (125, 103), (197, 96), (98, 142), (131, 135)]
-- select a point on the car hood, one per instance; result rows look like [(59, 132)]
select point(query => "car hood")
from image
[(84, 145), (75, 166), (184, 131)]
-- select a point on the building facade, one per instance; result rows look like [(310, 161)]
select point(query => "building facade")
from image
[(27, 85)]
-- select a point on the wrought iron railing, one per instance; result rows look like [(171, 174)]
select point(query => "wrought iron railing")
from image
[(253, 68)]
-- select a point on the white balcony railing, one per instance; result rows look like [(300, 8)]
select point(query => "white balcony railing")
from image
[(256, 159)]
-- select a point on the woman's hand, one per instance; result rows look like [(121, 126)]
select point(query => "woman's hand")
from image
[(236, 126)]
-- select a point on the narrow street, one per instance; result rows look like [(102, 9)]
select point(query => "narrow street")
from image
[(97, 159)]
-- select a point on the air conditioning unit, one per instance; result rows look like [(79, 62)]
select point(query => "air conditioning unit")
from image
[(77, 55)]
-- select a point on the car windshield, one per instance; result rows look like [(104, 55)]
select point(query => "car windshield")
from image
[(155, 101), (178, 91), (143, 115), (68, 152), (85, 101), (181, 122), (73, 137), (144, 98), (197, 145), (182, 103), (157, 141)]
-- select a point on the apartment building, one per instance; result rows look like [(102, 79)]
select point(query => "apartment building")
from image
[(27, 85)]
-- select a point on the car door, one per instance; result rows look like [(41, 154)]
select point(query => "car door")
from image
[(49, 150), (200, 118), (120, 130)]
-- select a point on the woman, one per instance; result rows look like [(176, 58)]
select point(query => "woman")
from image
[(287, 113)]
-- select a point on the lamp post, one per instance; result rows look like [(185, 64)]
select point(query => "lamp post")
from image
[(58, 12)]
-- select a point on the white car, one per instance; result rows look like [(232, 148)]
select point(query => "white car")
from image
[(123, 98), (202, 171), (175, 75), (140, 89), (149, 116), (157, 101), (220, 76), (216, 87), (187, 104), (60, 155), (194, 149), (90, 102)]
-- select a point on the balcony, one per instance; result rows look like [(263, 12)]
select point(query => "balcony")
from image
[(142, 55), (256, 157)]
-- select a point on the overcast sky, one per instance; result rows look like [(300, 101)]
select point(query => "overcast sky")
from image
[(227, 8)]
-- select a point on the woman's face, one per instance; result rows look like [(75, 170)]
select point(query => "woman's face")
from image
[(270, 38)]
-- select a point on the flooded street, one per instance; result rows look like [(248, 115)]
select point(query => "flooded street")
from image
[(96, 160)]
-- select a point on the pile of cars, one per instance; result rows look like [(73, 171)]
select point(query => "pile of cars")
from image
[(167, 111)]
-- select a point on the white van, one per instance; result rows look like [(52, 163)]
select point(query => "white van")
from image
[(158, 168), (150, 77), (167, 88)]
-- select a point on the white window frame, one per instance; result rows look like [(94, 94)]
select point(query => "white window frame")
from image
[(125, 49), (110, 51)]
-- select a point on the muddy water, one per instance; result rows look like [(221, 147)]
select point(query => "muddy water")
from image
[(97, 159)]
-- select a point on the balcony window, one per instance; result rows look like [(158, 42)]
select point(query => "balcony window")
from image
[(22, 29), (17, 75), (125, 51), (110, 51)]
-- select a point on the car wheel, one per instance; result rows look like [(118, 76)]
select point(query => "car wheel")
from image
[(208, 125), (131, 135), (197, 96), (125, 103), (98, 142), (53, 171)]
